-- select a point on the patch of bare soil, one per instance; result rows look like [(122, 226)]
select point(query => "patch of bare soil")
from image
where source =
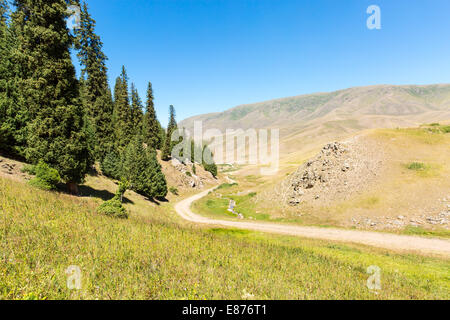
[(181, 175), (428, 221), (13, 170), (337, 173)]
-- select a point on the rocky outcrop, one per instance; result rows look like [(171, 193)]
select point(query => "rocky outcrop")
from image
[(182, 174), (337, 172)]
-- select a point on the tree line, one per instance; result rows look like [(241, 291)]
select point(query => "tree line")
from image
[(48, 115)]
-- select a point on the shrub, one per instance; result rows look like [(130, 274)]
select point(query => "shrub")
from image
[(188, 174), (112, 166), (113, 208), (30, 169), (123, 187), (173, 190), (445, 129), (194, 170), (416, 166), (208, 161), (46, 177), (212, 168)]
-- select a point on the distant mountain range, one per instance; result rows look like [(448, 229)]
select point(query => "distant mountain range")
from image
[(331, 115)]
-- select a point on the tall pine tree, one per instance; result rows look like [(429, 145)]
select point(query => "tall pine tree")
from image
[(5, 74), (123, 126), (13, 113), (97, 99), (168, 143), (151, 128), (137, 113), (49, 89)]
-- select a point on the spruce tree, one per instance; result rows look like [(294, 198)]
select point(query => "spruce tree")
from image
[(168, 143), (123, 127), (208, 161), (151, 128), (97, 99), (49, 89), (13, 114), (142, 170), (3, 10), (166, 154), (5, 74), (137, 113), (117, 93)]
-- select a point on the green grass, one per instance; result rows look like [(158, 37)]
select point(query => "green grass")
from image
[(227, 168), (231, 231), (423, 169), (368, 202), (213, 206), (173, 190), (226, 186), (445, 129), (419, 231), (416, 166), (253, 178), (424, 135), (437, 128), (159, 257), (217, 207)]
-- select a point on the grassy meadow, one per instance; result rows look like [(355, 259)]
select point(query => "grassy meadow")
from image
[(155, 255)]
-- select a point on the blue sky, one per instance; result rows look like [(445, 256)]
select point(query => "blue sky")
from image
[(210, 55)]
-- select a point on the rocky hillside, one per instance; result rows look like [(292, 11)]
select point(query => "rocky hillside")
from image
[(381, 179), (338, 172), (186, 176)]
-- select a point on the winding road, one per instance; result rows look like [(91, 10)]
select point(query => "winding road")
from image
[(414, 244)]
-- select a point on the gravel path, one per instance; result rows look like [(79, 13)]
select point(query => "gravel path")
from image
[(414, 244)]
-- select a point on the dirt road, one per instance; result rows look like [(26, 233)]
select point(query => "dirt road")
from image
[(414, 244)]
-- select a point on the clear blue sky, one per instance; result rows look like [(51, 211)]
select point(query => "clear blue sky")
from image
[(210, 55)]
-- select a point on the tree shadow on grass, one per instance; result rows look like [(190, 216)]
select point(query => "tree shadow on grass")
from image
[(105, 195), (157, 201)]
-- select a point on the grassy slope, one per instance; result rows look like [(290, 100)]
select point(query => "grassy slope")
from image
[(155, 256)]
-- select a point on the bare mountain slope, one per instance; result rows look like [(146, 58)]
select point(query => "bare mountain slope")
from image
[(334, 115)]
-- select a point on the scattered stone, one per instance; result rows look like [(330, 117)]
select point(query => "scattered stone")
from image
[(338, 172)]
